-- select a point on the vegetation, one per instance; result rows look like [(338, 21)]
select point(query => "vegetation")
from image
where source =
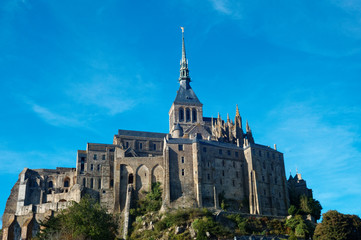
[(150, 203), (300, 227), (338, 226), (304, 205), (83, 220)]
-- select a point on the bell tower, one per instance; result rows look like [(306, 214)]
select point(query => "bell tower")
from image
[(186, 109)]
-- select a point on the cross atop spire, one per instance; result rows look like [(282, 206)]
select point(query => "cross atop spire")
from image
[(184, 72)]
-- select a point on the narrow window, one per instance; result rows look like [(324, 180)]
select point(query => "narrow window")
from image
[(264, 165), (126, 144), (130, 178), (111, 183), (264, 191), (223, 163), (99, 183), (188, 115), (237, 174), (194, 115), (263, 178), (275, 180), (260, 153), (103, 157), (82, 167), (98, 167), (180, 147), (279, 194), (91, 183), (223, 173), (181, 115), (182, 172), (272, 166), (208, 176), (95, 157), (50, 185), (154, 146), (208, 164), (273, 155), (91, 167), (140, 145), (234, 164), (229, 153), (233, 183), (268, 154), (220, 181), (66, 182), (182, 159)]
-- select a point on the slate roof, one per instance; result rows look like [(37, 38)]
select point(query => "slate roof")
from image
[(186, 95), (140, 134)]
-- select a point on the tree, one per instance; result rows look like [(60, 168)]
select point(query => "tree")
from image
[(310, 206), (338, 226), (83, 220)]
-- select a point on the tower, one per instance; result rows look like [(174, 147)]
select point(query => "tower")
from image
[(186, 110)]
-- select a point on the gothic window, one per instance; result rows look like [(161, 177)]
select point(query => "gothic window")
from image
[(188, 115), (103, 157), (99, 183), (130, 178), (66, 182), (95, 157), (181, 114), (182, 172), (194, 115), (50, 184), (91, 183)]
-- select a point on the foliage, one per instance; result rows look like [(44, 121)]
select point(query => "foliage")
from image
[(207, 224), (83, 220), (311, 206), (292, 210), (150, 203), (223, 201), (338, 226), (300, 227)]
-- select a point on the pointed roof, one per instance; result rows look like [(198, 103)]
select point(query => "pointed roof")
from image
[(185, 94)]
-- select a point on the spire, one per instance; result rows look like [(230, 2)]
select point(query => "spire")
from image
[(248, 129), (237, 111), (184, 72)]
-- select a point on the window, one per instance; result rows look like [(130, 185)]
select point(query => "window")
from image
[(260, 153), (84, 182), (263, 178), (98, 167), (275, 180), (208, 176), (82, 167), (234, 164), (220, 181), (264, 165), (236, 154), (50, 185), (208, 164), (229, 153), (182, 159), (279, 157), (182, 172), (180, 147), (204, 149), (140, 145), (264, 192), (181, 115), (268, 154), (99, 183), (126, 144), (95, 157), (91, 183), (91, 167), (223, 163), (220, 151), (272, 166), (223, 173), (103, 157), (111, 183), (188, 115), (194, 115), (233, 183), (154, 146), (237, 174), (66, 182)]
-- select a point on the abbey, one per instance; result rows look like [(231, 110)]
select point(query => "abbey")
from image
[(199, 163)]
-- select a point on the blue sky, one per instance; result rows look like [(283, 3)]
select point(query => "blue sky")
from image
[(74, 72)]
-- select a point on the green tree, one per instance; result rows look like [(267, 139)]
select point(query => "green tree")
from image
[(338, 226), (310, 206), (83, 220), (292, 210)]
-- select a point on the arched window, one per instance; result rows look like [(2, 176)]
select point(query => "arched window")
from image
[(99, 183), (66, 182), (194, 115), (181, 114), (188, 115), (130, 178), (84, 182), (50, 184), (91, 183)]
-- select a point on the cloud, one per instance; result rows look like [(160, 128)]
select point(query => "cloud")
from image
[(227, 7)]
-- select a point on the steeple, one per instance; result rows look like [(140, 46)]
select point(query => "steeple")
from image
[(184, 78), (248, 129)]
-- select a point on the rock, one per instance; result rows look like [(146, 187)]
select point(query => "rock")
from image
[(192, 232), (179, 230), (208, 234), (151, 226)]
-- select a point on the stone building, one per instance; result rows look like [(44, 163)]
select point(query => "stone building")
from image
[(198, 163)]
